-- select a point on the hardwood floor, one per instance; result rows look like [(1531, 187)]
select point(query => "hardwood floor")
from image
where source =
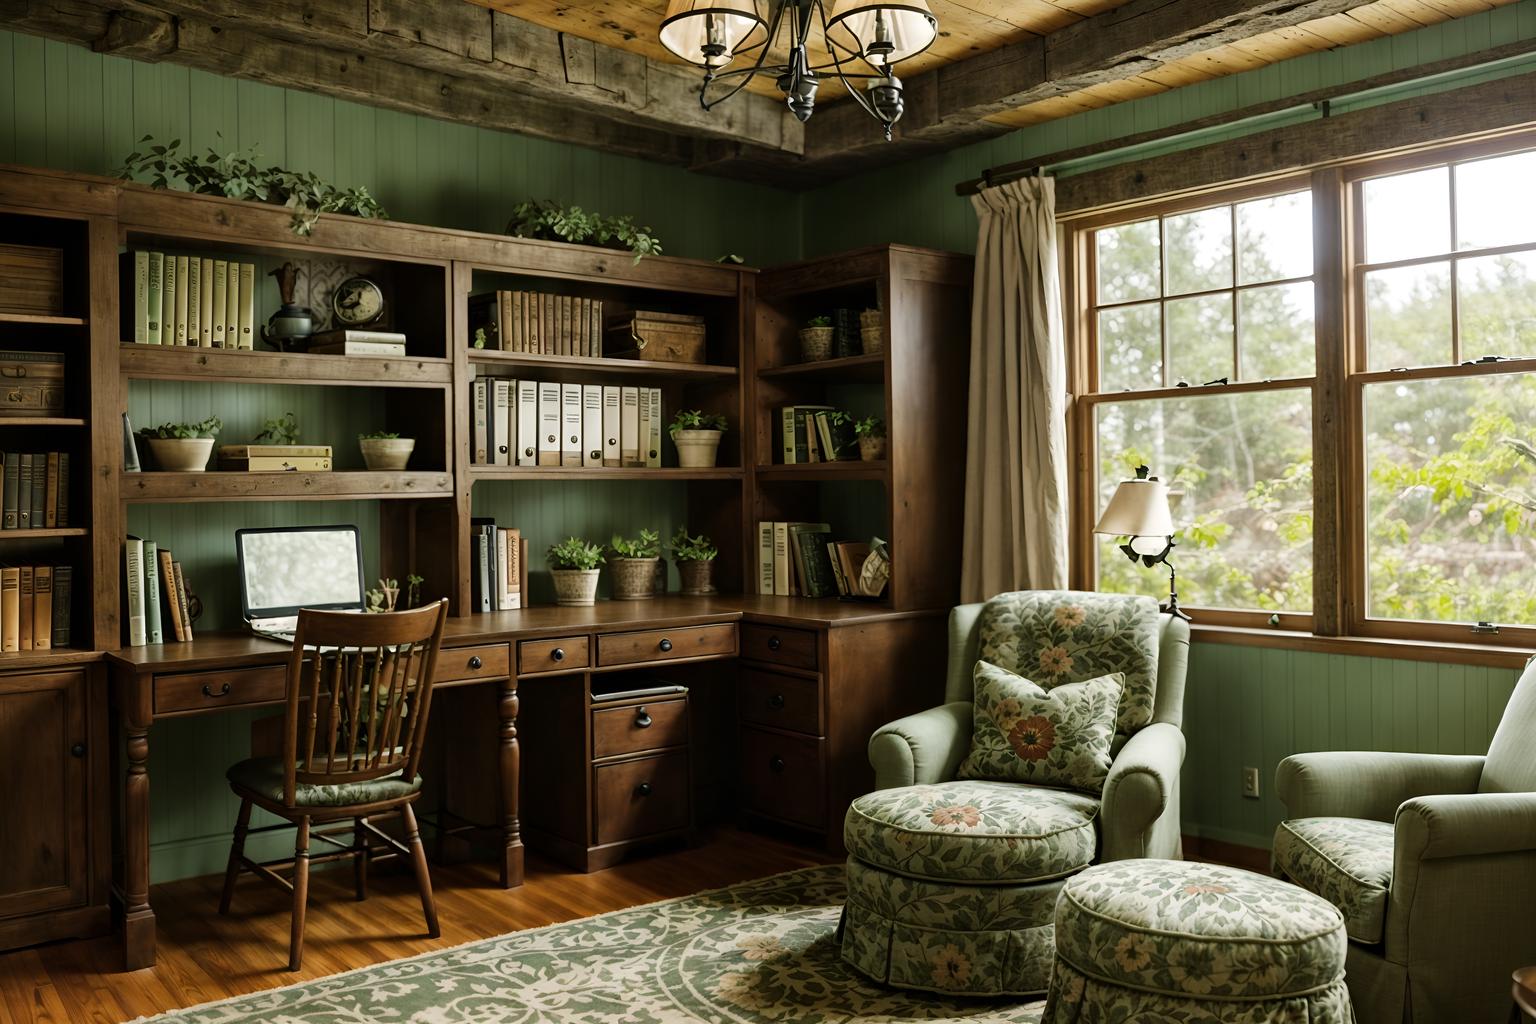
[(203, 956)]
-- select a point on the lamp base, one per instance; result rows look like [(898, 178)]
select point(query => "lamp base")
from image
[(1172, 608)]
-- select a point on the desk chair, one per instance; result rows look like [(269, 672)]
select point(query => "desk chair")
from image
[(359, 690)]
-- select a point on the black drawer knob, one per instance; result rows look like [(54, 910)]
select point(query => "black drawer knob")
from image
[(777, 764), (78, 750), (223, 690), (475, 662), (776, 701), (665, 645), (558, 654), (642, 719), (644, 789), (774, 643)]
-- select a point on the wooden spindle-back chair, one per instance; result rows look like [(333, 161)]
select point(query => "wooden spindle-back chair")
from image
[(359, 694)]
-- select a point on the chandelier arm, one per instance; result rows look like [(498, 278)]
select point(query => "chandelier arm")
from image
[(747, 74), (837, 67)]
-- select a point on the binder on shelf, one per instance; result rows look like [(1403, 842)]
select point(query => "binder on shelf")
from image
[(480, 437), (232, 307), (653, 449), (168, 302), (12, 516), (194, 301), (591, 425), (217, 300), (765, 558), (205, 304), (549, 424), (527, 423), (781, 572), (24, 493), (245, 306), (611, 451), (629, 427), (570, 425), (42, 611), (643, 427), (183, 271), (24, 608), (10, 609), (501, 419), (136, 273), (153, 292), (133, 590)]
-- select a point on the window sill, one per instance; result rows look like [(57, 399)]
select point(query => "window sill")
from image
[(1364, 647)]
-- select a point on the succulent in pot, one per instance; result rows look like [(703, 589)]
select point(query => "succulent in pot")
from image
[(816, 339), (695, 558), (632, 565), (871, 434), (696, 434), (575, 564), (385, 450), (183, 447)]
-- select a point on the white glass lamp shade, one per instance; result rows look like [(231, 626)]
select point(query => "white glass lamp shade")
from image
[(883, 31), (709, 32), (1138, 508)]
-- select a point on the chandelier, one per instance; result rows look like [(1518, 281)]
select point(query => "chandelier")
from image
[(859, 35)]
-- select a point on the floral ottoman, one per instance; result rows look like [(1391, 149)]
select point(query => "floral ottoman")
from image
[(1182, 943)]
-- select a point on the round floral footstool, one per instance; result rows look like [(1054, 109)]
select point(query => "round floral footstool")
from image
[(1178, 942)]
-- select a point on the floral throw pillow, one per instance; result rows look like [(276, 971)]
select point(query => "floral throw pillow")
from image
[(1057, 737)]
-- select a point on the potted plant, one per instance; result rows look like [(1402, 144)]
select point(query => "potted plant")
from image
[(183, 447), (816, 339), (385, 450), (695, 561), (872, 331), (574, 565), (632, 567), (697, 437), (871, 434), (551, 221), (282, 430)]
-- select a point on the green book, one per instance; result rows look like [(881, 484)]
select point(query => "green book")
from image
[(24, 493), (809, 543), (39, 489), (11, 518), (152, 592), (61, 602)]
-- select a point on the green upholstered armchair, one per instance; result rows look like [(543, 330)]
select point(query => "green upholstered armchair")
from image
[(1432, 860)]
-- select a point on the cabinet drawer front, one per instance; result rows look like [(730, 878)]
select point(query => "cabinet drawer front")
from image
[(665, 644), (784, 702), (640, 797), (781, 776), (191, 691), (637, 727), (793, 647), (560, 655), (487, 661)]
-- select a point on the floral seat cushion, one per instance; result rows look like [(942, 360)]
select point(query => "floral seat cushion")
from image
[(1198, 930), (1347, 861), (974, 831), (264, 777)]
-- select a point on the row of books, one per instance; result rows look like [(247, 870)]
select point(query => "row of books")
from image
[(155, 594), (497, 557), (816, 433), (35, 491), (802, 559), (538, 423), (189, 300), (524, 321), (34, 607)]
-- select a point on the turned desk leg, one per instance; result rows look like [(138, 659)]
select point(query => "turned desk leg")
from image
[(512, 852), (138, 918)]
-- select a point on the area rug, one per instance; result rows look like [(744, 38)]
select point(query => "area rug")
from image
[(762, 952)]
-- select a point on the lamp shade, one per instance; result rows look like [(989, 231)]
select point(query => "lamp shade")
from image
[(709, 32), (881, 30), (1138, 508)]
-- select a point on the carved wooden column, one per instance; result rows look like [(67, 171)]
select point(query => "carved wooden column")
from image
[(511, 769), (135, 711)]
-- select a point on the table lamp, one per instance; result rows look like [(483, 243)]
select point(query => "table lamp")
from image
[(1138, 511)]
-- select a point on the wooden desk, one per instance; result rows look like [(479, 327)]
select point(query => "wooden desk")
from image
[(861, 665)]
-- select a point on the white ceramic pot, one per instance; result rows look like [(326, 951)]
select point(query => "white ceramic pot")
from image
[(181, 454), (575, 588), (697, 449), (385, 453)]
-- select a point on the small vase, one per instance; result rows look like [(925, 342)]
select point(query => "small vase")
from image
[(181, 454), (815, 344), (575, 588), (697, 449), (871, 448), (632, 579), (698, 577), (386, 453), (872, 331)]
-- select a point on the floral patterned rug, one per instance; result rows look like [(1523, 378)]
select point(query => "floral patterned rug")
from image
[(761, 952)]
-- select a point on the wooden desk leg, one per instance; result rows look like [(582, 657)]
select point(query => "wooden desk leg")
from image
[(512, 853), (138, 918)]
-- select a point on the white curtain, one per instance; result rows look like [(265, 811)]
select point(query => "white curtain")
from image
[(1016, 458)]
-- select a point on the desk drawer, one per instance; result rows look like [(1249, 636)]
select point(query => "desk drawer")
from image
[(640, 797), (460, 664), (665, 644), (783, 702), (793, 647), (560, 655), (781, 776), (195, 691), (638, 727)]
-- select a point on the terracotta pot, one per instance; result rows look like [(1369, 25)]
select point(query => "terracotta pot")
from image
[(872, 331), (815, 344), (385, 453), (872, 449), (698, 577), (575, 588), (181, 454), (632, 579), (697, 449)]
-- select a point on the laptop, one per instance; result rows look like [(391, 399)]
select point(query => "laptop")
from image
[(283, 569)]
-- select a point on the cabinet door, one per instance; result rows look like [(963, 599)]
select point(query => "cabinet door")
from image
[(43, 850)]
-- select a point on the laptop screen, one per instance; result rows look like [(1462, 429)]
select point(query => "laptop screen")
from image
[(283, 569)]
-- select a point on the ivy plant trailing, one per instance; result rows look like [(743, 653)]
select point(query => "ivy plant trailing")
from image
[(238, 175), (555, 223)]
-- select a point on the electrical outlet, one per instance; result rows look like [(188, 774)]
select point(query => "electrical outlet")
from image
[(1251, 782)]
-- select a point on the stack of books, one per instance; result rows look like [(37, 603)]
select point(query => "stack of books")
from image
[(154, 595), (498, 559), (802, 560), (34, 607), (816, 433), (35, 491), (538, 423), (524, 321), (188, 300), (275, 458), (353, 342)]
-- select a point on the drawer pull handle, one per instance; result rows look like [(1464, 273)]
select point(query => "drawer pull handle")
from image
[(558, 654), (776, 702), (642, 719), (78, 750), (774, 643), (665, 645), (777, 765), (475, 663), (223, 690), (644, 789)]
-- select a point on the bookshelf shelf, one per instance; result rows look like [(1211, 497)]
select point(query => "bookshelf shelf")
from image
[(233, 486), (572, 368), (872, 366), (58, 531), (602, 473), (35, 319), (849, 470), (43, 421), (160, 362), (46, 659)]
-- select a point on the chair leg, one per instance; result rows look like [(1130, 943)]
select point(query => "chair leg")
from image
[(236, 851), (300, 895), (423, 879), (360, 862)]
